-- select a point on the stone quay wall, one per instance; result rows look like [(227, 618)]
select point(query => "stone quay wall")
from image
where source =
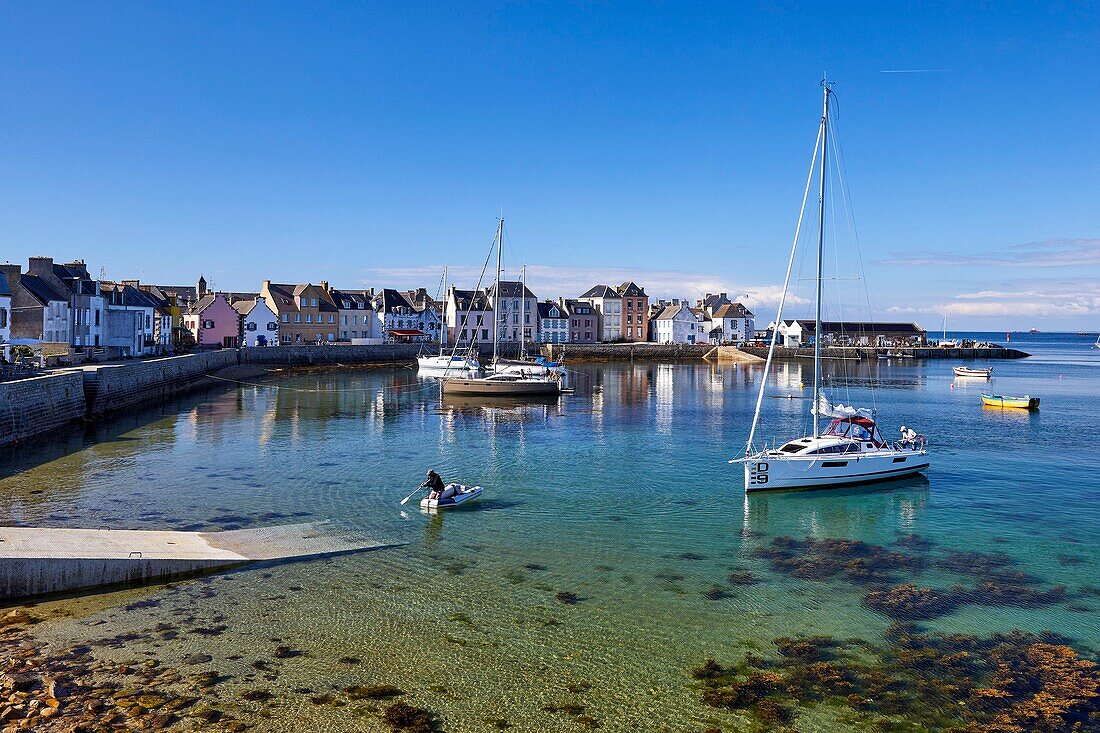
[(625, 352), (871, 353), (38, 405), (118, 386)]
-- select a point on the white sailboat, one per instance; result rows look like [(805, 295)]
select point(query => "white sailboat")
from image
[(502, 383), (453, 364), (851, 449)]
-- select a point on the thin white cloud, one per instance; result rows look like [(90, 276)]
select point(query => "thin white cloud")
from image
[(1044, 298), (1047, 253)]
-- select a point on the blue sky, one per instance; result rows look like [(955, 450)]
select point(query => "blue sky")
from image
[(665, 143)]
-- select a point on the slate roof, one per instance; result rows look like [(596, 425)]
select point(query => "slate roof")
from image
[(713, 301), (631, 289), (4, 290), (572, 305), (463, 298), (669, 313), (41, 289), (389, 299), (284, 295), (203, 303), (510, 289), (544, 311), (600, 291), (352, 299), (733, 310)]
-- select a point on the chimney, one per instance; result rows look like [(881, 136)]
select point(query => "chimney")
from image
[(723, 295), (11, 273), (40, 266), (676, 301), (324, 285), (132, 283)]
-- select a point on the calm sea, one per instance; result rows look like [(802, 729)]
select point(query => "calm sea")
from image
[(595, 571)]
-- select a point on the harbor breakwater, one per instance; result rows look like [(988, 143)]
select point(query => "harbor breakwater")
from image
[(39, 405)]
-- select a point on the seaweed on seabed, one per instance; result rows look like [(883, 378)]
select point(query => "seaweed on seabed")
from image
[(409, 719), (1004, 683), (857, 561)]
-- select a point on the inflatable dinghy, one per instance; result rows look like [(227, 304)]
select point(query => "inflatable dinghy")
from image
[(463, 494)]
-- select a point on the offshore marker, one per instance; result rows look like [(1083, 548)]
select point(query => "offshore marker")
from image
[(38, 562)]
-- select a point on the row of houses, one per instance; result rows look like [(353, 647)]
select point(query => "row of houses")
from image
[(714, 319), (64, 304)]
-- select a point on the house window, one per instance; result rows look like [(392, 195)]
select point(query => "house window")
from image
[(286, 318), (297, 317), (343, 320), (272, 326), (312, 302), (309, 318), (484, 334), (332, 318)]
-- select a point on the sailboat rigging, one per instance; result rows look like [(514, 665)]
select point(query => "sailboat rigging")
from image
[(506, 380), (851, 449), (444, 364)]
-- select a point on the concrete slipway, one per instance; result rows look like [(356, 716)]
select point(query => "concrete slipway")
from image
[(35, 562)]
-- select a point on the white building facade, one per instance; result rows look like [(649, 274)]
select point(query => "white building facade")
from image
[(609, 304), (678, 324), (469, 317), (732, 323), (516, 309), (259, 324)]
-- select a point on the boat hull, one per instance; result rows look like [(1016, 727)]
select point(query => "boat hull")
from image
[(441, 365), (767, 472), (490, 388), (976, 373), (1017, 403), (465, 495)]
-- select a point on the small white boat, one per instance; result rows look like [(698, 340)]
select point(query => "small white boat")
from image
[(462, 495), (964, 371), (447, 365)]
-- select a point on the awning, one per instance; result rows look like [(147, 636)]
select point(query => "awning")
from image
[(400, 332)]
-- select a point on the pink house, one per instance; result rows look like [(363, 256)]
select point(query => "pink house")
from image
[(213, 322)]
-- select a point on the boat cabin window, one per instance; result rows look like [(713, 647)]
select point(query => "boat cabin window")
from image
[(791, 448), (838, 448)]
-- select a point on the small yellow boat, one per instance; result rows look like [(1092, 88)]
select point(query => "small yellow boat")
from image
[(1022, 403)]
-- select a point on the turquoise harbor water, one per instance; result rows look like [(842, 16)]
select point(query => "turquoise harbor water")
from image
[(596, 571)]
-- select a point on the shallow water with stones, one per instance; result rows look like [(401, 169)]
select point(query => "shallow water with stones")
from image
[(614, 550)]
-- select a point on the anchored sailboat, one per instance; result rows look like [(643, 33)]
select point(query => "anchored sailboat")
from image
[(504, 382), (851, 449), (453, 364)]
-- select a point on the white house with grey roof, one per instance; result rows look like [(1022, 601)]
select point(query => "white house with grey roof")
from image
[(469, 317), (259, 324), (679, 324)]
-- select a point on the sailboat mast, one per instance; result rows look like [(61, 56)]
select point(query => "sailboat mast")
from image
[(523, 312), (496, 289), (443, 313), (820, 247)]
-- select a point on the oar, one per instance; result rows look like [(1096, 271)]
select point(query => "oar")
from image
[(406, 499)]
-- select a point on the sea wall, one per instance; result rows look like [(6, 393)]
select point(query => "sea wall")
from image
[(625, 352), (117, 386), (38, 405), (870, 353)]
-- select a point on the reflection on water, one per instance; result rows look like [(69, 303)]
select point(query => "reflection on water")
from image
[(613, 550)]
